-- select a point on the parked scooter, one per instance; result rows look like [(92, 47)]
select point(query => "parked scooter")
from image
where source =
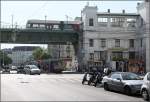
[(86, 77), (98, 78), (92, 78)]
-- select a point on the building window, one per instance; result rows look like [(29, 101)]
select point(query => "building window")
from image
[(103, 55), (91, 42), (117, 42), (131, 55), (103, 42), (131, 43), (141, 42), (96, 55), (102, 20), (91, 23), (91, 56), (142, 22)]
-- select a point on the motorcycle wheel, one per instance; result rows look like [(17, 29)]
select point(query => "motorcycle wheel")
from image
[(95, 84), (83, 82), (89, 82)]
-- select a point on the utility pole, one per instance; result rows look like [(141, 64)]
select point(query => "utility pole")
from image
[(45, 21), (3, 57), (12, 18), (67, 19), (0, 33)]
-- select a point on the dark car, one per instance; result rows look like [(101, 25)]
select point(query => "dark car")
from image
[(126, 82), (6, 69), (20, 70), (145, 90)]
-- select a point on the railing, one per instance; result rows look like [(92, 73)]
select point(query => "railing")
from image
[(14, 27), (23, 27)]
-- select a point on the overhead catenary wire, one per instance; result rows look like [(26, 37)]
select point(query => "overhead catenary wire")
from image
[(36, 11)]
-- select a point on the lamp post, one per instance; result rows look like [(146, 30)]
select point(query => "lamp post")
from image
[(12, 18), (45, 21), (0, 40), (67, 18), (3, 57)]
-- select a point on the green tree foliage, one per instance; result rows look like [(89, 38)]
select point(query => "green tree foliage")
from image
[(119, 59), (4, 58), (40, 54)]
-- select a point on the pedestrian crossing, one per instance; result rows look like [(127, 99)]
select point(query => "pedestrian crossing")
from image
[(53, 80), (63, 80)]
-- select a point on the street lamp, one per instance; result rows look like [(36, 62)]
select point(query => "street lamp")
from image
[(45, 21), (0, 41), (3, 57), (12, 17)]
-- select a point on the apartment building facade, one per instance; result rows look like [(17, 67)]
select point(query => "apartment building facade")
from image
[(121, 37)]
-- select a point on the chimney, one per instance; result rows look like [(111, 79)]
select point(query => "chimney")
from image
[(123, 11), (108, 10)]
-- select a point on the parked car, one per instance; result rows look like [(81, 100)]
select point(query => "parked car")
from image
[(20, 70), (145, 90), (126, 82), (32, 69), (14, 68), (6, 69)]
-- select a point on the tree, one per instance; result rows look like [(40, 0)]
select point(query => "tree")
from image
[(40, 54), (4, 59)]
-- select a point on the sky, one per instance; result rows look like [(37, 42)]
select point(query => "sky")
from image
[(21, 11)]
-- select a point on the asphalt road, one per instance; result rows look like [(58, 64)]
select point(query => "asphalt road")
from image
[(55, 87)]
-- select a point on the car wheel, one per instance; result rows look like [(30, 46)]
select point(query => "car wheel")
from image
[(106, 87), (127, 90), (30, 73), (145, 95)]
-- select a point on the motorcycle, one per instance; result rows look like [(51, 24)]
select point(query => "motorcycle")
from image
[(98, 79), (87, 76), (92, 78)]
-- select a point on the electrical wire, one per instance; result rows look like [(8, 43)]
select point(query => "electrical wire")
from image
[(36, 11)]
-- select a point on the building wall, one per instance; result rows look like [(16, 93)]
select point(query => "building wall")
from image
[(109, 33), (60, 51), (143, 10), (19, 57), (140, 33)]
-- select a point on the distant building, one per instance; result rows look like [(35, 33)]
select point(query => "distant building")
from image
[(21, 54)]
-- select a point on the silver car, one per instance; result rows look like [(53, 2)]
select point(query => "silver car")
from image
[(126, 82), (32, 69), (145, 90)]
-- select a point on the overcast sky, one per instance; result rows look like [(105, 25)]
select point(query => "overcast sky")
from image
[(55, 10)]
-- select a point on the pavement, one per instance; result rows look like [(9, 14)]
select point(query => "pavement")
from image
[(55, 87)]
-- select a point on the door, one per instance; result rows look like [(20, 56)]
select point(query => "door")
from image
[(148, 82), (116, 82)]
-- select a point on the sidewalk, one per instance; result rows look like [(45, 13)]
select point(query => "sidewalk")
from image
[(71, 72)]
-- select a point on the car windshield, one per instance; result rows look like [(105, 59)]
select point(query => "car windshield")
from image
[(33, 67), (130, 76)]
